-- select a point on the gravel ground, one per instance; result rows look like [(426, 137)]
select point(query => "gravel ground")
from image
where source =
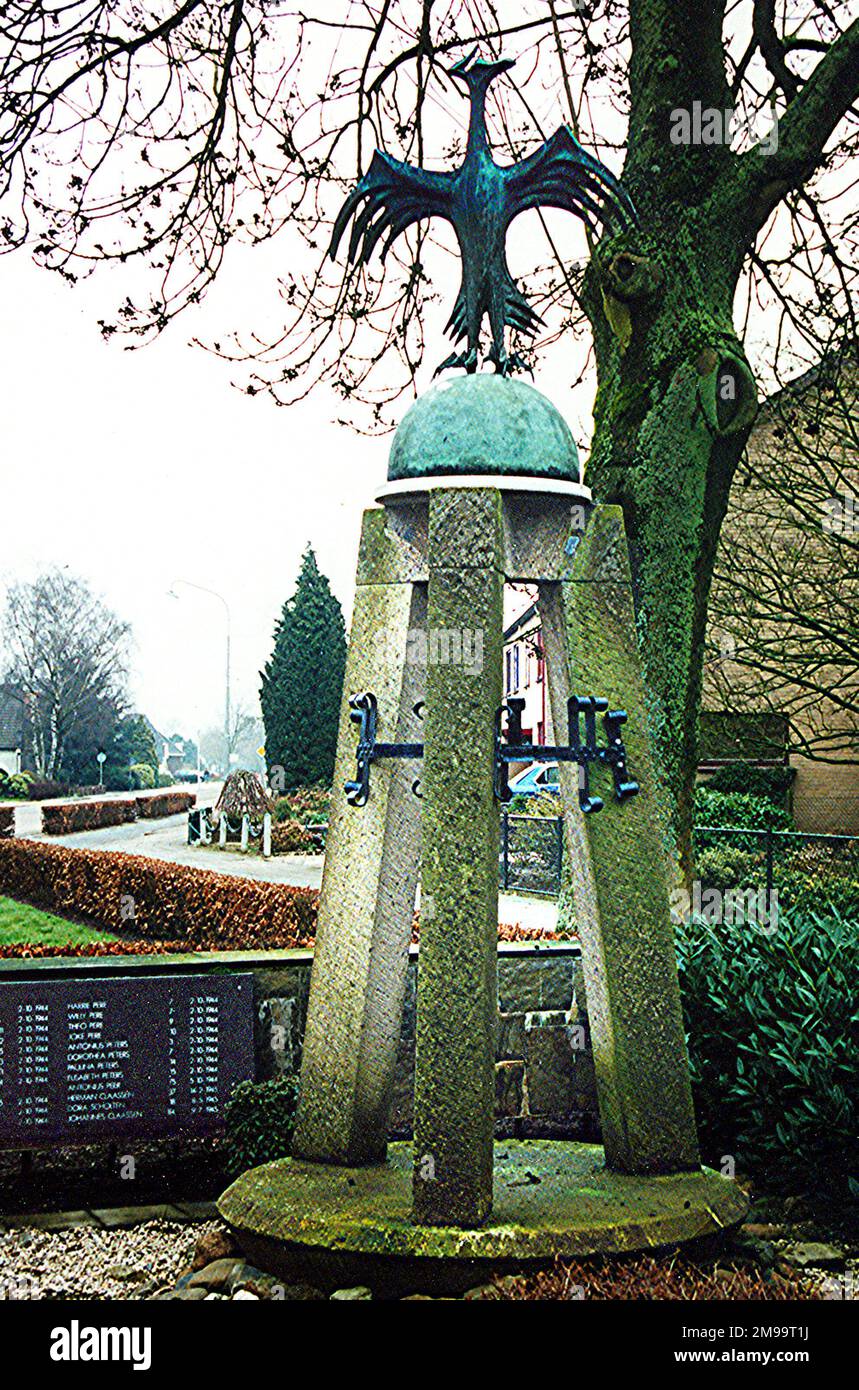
[(89, 1262), (146, 1260)]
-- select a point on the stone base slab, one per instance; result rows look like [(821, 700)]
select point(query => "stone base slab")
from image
[(553, 1199)]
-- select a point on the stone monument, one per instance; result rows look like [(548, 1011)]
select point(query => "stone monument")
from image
[(483, 489)]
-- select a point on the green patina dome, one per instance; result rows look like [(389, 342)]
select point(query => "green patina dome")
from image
[(483, 424)]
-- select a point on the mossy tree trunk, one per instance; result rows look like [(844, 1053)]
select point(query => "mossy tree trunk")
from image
[(676, 397)]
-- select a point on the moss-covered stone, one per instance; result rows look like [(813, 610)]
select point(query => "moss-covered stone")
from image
[(367, 898), (456, 1014), (618, 860), (552, 1200)]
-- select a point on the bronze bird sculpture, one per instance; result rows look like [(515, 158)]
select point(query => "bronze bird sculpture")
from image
[(481, 199)]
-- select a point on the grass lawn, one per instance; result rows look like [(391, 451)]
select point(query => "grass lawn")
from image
[(22, 925)]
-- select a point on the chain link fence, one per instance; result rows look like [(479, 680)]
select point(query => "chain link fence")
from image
[(786, 867)]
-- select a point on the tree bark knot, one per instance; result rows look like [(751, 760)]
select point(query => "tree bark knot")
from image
[(727, 394)]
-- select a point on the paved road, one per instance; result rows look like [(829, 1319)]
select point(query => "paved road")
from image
[(28, 814), (167, 839)]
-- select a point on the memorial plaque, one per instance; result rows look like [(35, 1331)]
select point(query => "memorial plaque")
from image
[(143, 1057)]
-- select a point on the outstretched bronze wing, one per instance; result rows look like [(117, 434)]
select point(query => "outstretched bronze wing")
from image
[(393, 195), (561, 174)]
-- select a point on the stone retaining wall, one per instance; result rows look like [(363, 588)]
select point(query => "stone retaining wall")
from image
[(544, 1068)]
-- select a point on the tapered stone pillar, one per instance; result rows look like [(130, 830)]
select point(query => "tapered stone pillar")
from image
[(483, 486), (456, 1017), (369, 882), (618, 859)]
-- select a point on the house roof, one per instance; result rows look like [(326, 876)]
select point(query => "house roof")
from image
[(526, 622), (822, 373), (11, 717)]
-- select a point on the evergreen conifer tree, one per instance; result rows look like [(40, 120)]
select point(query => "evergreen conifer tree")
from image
[(302, 683)]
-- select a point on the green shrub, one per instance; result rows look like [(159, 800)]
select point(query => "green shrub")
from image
[(15, 786), (260, 1117), (819, 891), (143, 775), (771, 783), (543, 804), (725, 867), (771, 1022), (736, 810)]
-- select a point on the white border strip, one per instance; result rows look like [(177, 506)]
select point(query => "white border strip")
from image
[(505, 482)]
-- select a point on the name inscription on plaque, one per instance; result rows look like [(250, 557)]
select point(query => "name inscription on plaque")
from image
[(144, 1057)]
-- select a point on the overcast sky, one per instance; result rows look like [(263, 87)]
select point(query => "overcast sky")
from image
[(136, 468)]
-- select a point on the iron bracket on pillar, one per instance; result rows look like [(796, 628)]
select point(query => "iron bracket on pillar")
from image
[(583, 750), (364, 712)]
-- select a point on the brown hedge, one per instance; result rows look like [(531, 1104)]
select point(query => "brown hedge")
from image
[(169, 803), (7, 820), (70, 816), (150, 899), (172, 906), (290, 837)]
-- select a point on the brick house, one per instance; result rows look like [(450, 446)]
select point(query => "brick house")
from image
[(738, 721)]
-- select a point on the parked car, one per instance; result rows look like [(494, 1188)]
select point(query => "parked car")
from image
[(536, 780)]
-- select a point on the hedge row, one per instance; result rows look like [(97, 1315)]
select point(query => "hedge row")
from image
[(7, 820), (86, 815), (70, 816), (153, 900), (176, 907), (170, 803)]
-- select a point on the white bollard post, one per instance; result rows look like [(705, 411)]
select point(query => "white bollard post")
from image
[(246, 825), (266, 835), (222, 835)]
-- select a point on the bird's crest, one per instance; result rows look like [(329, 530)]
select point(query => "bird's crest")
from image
[(476, 72)]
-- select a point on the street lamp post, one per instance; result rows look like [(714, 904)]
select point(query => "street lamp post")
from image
[(213, 593)]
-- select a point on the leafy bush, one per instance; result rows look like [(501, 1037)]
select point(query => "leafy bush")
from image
[(260, 1117), (310, 805), (143, 775), (127, 894), (543, 804), (164, 779), (7, 821), (770, 1019), (165, 804), (43, 789), (725, 867), (14, 786), (290, 837), (771, 783), (736, 810), (70, 816), (819, 891)]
